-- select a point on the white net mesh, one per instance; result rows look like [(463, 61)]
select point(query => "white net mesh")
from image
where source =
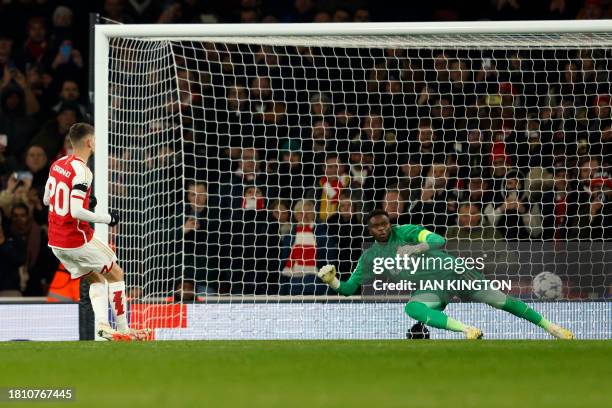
[(242, 165)]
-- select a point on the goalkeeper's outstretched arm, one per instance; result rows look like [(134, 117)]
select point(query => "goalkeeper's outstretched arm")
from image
[(423, 240), (347, 288)]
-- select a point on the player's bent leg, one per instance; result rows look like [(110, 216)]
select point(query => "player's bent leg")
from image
[(98, 295), (116, 293), (500, 300), (426, 308)]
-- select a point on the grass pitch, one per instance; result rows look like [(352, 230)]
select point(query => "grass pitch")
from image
[(315, 373)]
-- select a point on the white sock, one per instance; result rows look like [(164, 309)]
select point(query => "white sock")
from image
[(116, 295), (99, 302)]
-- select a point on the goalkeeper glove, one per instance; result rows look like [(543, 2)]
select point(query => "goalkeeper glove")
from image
[(114, 214), (328, 275), (410, 250)]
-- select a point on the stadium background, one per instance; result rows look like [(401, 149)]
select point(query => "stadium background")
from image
[(46, 82)]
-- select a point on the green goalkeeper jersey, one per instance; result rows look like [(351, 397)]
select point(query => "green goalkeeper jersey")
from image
[(372, 265)]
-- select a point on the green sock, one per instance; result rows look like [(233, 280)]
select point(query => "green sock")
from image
[(454, 325), (520, 309), (431, 317), (545, 324)]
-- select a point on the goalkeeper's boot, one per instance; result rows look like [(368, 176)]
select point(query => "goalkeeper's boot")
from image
[(108, 333), (560, 333), (141, 334), (473, 333)]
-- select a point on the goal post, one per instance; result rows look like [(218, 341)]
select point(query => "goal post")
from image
[(208, 135)]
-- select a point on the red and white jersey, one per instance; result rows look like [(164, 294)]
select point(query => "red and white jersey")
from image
[(69, 177)]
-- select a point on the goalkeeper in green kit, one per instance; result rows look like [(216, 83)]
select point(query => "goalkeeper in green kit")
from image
[(427, 302)]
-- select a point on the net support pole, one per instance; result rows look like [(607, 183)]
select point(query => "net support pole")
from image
[(101, 63)]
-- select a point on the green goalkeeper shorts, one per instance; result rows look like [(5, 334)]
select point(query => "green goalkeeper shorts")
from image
[(452, 279)]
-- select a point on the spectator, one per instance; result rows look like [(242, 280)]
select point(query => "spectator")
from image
[(66, 148), (322, 17), (7, 163), (346, 227), (201, 234), (589, 167), (604, 146), (320, 106), (330, 185), (572, 85), (594, 215), (372, 128), (238, 105), (470, 226), (16, 191), (304, 11), (186, 291), (173, 13), (317, 141), (250, 15), (425, 210), (6, 52), (13, 254), (37, 164), (559, 207), (63, 288), (40, 83), (445, 188), (342, 16), (15, 121), (476, 192), (411, 176), (62, 19), (289, 177), (281, 215), (232, 190), (53, 133), (510, 213), (425, 147), (40, 264), (499, 167), (600, 117), (70, 94), (36, 48), (394, 204), (365, 179), (304, 251), (255, 243), (273, 129), (362, 15), (260, 95), (14, 78), (473, 152), (592, 10)]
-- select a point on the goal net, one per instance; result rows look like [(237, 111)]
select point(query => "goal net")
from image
[(243, 163)]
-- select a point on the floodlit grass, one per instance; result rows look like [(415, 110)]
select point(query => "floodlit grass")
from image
[(310, 374)]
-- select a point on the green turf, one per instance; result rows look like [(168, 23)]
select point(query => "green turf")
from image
[(316, 373)]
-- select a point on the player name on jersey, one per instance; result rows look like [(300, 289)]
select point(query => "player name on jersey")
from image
[(67, 173)]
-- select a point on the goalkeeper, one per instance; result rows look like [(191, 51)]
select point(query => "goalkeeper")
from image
[(426, 305)]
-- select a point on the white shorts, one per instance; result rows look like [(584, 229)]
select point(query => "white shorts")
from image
[(94, 256)]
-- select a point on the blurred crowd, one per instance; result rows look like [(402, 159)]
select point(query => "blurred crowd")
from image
[(288, 147), (284, 149)]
